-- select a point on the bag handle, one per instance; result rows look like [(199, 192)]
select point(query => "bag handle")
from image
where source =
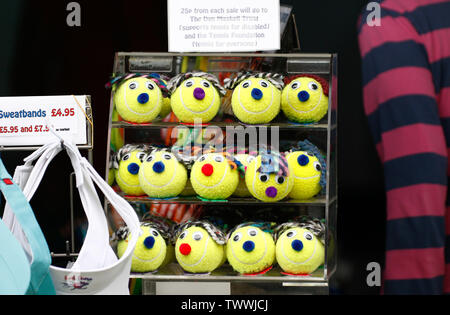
[(40, 282)]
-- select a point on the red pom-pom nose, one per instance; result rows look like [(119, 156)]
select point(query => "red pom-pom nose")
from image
[(185, 249), (207, 169)]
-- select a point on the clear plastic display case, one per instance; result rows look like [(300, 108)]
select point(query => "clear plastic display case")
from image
[(323, 134)]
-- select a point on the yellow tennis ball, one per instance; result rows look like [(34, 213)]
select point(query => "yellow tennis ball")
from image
[(165, 108), (306, 170), (213, 177), (127, 176), (303, 100), (250, 250), (256, 101), (298, 251), (111, 176), (162, 176), (138, 100), (195, 98), (242, 190), (150, 250), (267, 187), (197, 252)]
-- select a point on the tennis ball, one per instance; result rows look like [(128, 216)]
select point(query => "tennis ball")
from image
[(162, 176), (197, 252), (111, 176), (127, 176), (165, 108), (242, 190), (196, 98), (256, 101), (267, 187), (303, 100), (306, 171), (213, 177), (250, 250), (298, 251), (138, 100), (150, 250)]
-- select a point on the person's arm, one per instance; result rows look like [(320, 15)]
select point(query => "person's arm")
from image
[(401, 108)]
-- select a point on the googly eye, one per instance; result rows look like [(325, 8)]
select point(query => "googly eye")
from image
[(317, 166), (295, 85), (250, 159), (141, 156), (313, 86), (291, 234), (189, 83), (237, 237), (246, 84), (154, 232), (150, 86), (133, 85), (263, 178), (183, 235), (126, 157), (279, 179), (197, 236), (218, 159), (202, 158), (149, 159), (205, 83), (264, 83), (252, 232), (308, 236), (167, 156)]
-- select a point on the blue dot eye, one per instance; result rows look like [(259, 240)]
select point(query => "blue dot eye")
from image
[(303, 159)]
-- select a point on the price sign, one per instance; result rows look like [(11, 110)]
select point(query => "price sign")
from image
[(223, 26), (26, 121)]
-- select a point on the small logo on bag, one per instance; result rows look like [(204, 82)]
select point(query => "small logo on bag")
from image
[(76, 282)]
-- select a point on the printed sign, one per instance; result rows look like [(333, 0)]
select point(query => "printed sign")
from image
[(223, 26), (26, 121)]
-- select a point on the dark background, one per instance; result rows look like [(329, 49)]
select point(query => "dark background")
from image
[(41, 55)]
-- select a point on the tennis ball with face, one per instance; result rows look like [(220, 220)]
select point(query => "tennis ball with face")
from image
[(306, 171), (162, 176), (197, 252), (256, 101), (242, 190), (305, 99), (250, 250), (127, 176), (213, 177), (195, 99), (149, 253), (298, 251), (267, 187), (138, 100)]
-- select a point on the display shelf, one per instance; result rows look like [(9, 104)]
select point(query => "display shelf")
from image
[(174, 272), (323, 134), (158, 124), (320, 200)]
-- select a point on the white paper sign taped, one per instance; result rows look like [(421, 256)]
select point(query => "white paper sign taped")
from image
[(25, 121), (223, 26)]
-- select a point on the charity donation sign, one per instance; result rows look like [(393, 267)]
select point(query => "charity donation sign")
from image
[(223, 26)]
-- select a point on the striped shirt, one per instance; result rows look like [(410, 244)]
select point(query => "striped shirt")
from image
[(406, 91)]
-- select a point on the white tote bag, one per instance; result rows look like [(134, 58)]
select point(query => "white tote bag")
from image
[(97, 269)]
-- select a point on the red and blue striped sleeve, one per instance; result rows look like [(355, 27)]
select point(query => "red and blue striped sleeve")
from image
[(406, 82)]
